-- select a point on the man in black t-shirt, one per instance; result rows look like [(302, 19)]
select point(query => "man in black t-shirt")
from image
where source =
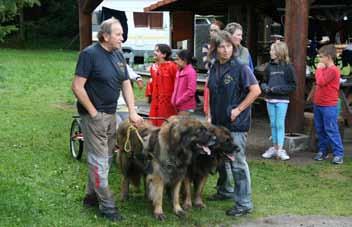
[(100, 75)]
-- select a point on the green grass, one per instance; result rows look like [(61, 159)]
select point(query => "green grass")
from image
[(41, 185)]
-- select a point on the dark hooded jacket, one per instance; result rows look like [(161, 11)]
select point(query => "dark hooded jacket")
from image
[(280, 79)]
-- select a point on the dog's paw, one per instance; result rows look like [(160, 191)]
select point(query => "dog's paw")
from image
[(180, 213), (187, 206), (159, 216), (199, 205)]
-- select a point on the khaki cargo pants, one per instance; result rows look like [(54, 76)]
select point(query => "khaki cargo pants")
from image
[(99, 140)]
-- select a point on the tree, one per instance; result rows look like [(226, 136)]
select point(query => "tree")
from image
[(9, 10)]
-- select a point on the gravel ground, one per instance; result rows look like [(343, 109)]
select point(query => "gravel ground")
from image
[(300, 221)]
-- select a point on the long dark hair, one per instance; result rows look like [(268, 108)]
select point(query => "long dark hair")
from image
[(187, 56), (164, 49)]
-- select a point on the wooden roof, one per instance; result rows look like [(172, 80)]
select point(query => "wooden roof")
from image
[(208, 6)]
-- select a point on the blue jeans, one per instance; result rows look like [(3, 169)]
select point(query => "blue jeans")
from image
[(238, 170), (277, 114), (325, 122)]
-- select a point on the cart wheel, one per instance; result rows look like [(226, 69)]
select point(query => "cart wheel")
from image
[(76, 139)]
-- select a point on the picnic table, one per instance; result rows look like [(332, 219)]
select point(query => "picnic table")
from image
[(345, 95), (201, 79)]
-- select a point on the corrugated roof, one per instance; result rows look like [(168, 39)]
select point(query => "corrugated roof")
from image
[(158, 5)]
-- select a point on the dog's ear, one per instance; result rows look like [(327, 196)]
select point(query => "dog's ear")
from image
[(151, 140)]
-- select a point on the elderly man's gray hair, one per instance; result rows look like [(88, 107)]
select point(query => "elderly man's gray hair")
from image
[(105, 27)]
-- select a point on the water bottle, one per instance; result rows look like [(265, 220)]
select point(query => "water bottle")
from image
[(131, 60), (145, 57)]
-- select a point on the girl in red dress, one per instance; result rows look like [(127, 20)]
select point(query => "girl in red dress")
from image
[(163, 73)]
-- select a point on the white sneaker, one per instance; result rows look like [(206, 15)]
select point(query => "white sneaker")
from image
[(271, 152), (282, 154)]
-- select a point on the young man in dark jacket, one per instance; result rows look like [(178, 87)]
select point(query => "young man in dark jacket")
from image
[(233, 88)]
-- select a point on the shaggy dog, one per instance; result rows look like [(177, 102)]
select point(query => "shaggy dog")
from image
[(171, 150), (202, 164), (132, 159)]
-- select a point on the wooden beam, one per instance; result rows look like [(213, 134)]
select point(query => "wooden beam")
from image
[(89, 5), (252, 32), (85, 26), (296, 35)]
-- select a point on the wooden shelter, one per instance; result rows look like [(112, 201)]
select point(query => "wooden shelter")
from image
[(245, 12)]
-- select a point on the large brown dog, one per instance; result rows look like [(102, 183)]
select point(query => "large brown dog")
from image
[(203, 164), (172, 149), (132, 159)]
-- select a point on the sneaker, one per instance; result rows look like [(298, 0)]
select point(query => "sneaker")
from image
[(237, 212), (113, 217), (282, 154), (337, 160), (90, 201), (320, 156), (271, 152), (218, 197)]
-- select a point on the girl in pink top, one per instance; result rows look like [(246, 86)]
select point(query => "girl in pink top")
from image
[(184, 94)]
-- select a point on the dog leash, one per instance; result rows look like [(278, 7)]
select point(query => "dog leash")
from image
[(127, 146), (156, 118)]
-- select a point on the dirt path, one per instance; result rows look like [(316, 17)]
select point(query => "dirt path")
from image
[(299, 221)]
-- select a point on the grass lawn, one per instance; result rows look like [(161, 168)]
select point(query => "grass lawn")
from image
[(41, 185)]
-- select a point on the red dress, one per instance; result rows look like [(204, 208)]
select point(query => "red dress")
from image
[(163, 80)]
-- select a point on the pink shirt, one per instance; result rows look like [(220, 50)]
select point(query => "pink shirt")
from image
[(184, 95)]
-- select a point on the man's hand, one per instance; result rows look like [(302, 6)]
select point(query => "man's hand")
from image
[(265, 88), (135, 118), (140, 83), (93, 114), (234, 114), (208, 118)]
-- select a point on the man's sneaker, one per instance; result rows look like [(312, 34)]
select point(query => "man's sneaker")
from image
[(282, 154), (91, 200), (114, 217), (337, 160), (320, 156), (271, 152), (237, 212), (218, 197)]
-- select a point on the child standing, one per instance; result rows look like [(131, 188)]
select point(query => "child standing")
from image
[(327, 78), (184, 95), (278, 82), (163, 73)]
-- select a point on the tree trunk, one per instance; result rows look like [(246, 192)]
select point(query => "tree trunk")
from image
[(21, 33)]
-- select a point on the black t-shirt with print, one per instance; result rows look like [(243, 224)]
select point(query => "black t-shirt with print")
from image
[(105, 71)]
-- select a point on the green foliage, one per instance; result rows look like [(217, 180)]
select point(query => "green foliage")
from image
[(58, 19), (41, 185), (9, 9), (6, 30)]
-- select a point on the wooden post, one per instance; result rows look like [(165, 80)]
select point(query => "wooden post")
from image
[(252, 32), (296, 34), (85, 26)]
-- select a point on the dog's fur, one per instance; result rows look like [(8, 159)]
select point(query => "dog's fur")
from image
[(171, 149), (203, 164), (134, 162)]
